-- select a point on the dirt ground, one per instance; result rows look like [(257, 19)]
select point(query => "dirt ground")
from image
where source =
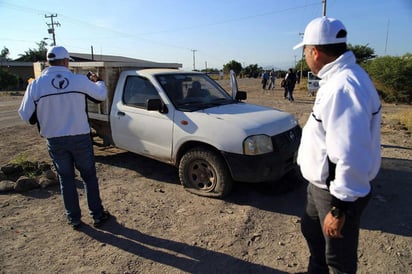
[(158, 227)]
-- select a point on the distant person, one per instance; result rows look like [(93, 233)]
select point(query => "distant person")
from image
[(290, 82), (57, 102), (195, 90), (339, 154), (221, 74), (272, 79), (265, 78)]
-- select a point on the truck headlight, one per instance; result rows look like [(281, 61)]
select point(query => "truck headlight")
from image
[(257, 144)]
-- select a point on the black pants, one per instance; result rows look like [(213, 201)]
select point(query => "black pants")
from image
[(340, 255), (285, 93), (264, 82), (288, 94)]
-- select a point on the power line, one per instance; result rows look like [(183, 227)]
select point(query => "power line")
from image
[(141, 37)]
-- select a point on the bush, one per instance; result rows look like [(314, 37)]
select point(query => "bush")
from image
[(392, 76), (7, 80)]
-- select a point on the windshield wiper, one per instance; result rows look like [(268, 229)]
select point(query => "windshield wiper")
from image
[(221, 101)]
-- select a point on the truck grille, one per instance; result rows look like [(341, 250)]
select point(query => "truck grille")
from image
[(287, 140)]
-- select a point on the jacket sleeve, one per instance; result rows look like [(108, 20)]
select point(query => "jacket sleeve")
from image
[(27, 107), (94, 90)]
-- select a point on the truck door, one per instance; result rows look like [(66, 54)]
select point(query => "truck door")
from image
[(136, 129)]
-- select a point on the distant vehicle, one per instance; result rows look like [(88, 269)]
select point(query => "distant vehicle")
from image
[(313, 84)]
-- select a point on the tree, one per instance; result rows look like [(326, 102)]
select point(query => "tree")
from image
[(392, 77), (302, 67), (362, 53), (233, 65), (210, 70), (4, 53), (252, 71), (34, 55)]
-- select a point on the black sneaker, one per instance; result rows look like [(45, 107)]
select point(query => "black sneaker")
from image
[(100, 221), (75, 224)]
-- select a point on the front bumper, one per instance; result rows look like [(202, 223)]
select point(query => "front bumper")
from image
[(270, 166)]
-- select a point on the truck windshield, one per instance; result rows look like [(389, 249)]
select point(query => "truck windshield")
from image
[(193, 91)]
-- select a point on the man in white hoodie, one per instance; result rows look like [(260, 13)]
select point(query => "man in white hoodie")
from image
[(339, 154), (56, 101)]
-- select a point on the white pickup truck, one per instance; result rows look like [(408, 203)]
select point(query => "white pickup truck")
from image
[(188, 120)]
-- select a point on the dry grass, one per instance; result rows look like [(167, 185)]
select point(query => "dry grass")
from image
[(400, 119), (405, 118)]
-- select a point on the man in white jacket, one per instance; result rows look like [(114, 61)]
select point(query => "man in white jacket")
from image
[(56, 101), (339, 153)]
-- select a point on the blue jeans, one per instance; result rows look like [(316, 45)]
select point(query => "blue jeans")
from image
[(71, 152), (339, 255)]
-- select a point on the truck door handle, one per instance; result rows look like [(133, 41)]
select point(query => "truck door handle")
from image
[(121, 113)]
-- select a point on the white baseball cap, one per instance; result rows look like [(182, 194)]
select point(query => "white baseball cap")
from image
[(323, 31), (57, 53)]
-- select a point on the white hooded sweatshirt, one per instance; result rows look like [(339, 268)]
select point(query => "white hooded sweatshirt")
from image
[(345, 126)]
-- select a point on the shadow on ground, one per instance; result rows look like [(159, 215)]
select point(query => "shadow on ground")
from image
[(187, 258), (388, 210)]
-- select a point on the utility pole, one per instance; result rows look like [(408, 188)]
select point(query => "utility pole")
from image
[(301, 60), (51, 26), (194, 59), (324, 7)]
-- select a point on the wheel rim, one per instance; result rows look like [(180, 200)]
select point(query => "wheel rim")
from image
[(201, 176)]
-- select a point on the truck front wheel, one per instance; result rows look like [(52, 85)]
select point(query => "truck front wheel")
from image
[(204, 173)]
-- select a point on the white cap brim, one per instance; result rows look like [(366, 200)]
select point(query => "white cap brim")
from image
[(301, 44)]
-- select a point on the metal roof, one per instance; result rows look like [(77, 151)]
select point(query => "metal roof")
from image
[(87, 57)]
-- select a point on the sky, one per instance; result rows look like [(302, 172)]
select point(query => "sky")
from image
[(201, 34)]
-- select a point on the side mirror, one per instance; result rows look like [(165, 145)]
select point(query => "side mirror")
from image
[(156, 105), (241, 95)]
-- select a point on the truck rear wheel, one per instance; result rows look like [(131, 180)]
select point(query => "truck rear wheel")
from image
[(204, 173)]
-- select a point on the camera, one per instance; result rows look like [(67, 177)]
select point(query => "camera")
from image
[(93, 76), (89, 74)]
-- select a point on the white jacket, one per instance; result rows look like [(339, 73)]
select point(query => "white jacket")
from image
[(344, 125), (60, 97)]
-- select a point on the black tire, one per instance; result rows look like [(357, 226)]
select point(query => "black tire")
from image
[(204, 173)]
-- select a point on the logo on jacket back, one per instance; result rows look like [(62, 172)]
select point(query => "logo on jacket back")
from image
[(59, 82)]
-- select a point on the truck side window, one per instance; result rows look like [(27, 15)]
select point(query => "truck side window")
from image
[(137, 91)]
